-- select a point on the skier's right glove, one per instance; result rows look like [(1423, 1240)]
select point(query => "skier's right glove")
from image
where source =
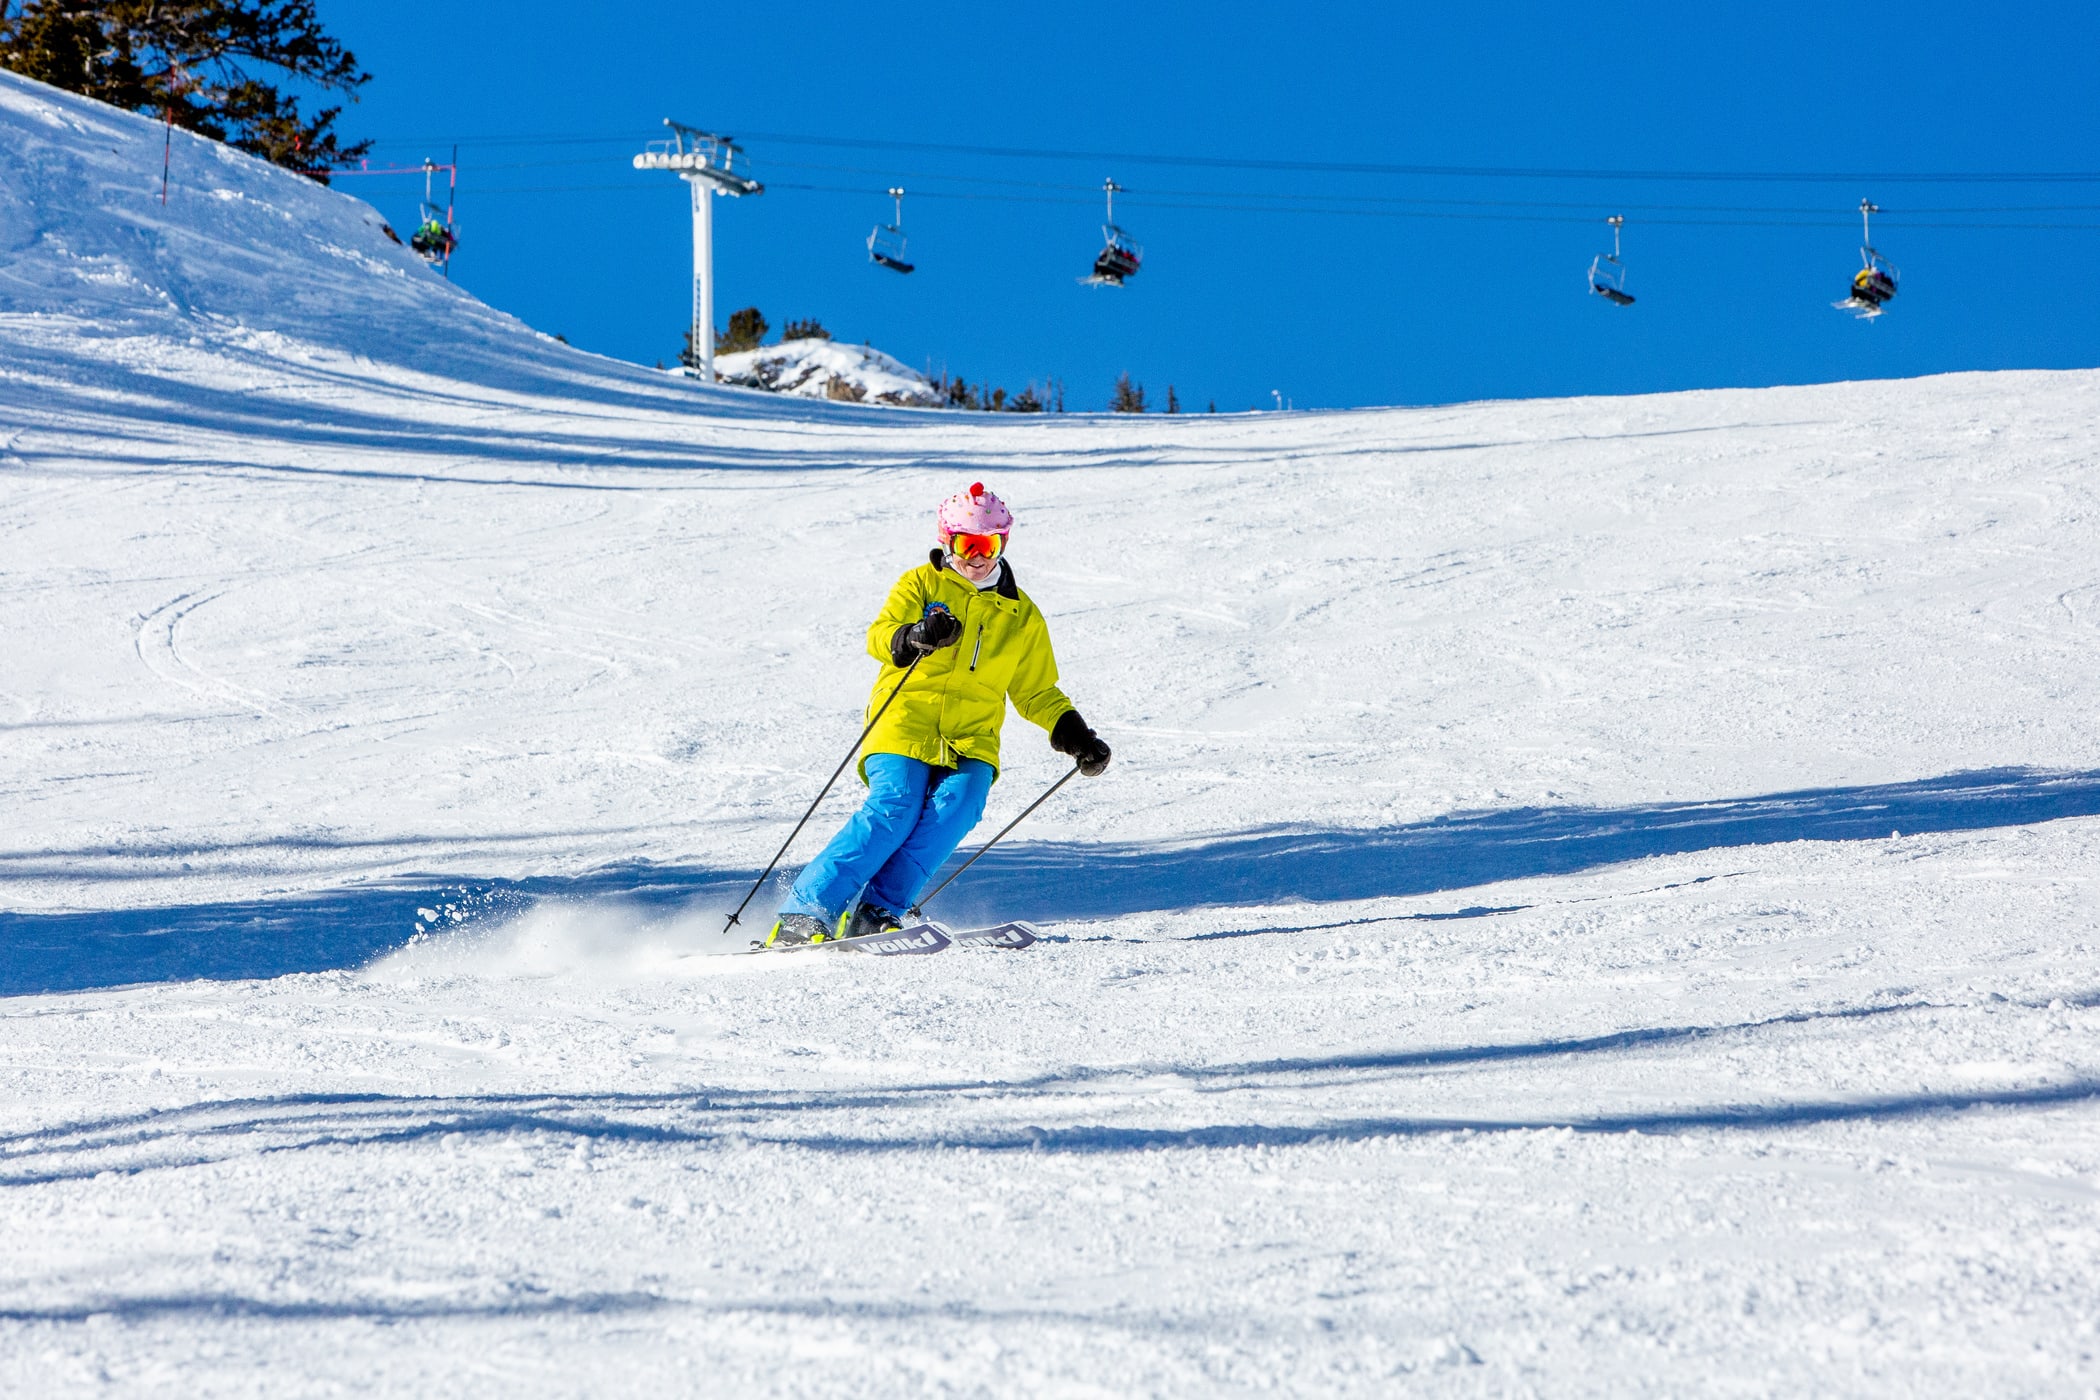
[(1071, 736), (930, 633)]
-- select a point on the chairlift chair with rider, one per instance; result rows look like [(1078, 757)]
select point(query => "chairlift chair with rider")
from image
[(886, 242), (1874, 285), (1607, 273), (434, 238), (1120, 255), (431, 238)]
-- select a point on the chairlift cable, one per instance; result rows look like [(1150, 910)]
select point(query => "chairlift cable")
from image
[(1978, 177), (1284, 195), (1238, 196), (860, 191), (1489, 213)]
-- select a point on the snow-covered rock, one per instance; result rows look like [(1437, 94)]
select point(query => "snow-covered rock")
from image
[(816, 368)]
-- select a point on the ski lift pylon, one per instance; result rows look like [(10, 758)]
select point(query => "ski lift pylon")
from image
[(1607, 273), (1120, 255), (1874, 285), (886, 242)]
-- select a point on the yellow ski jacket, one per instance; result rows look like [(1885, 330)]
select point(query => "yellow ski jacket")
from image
[(955, 702)]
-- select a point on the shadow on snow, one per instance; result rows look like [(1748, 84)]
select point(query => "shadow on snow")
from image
[(200, 1134), (1046, 881)]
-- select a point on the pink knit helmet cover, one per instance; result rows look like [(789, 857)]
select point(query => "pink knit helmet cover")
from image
[(974, 512)]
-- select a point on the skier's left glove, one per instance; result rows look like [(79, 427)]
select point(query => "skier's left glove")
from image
[(1071, 736)]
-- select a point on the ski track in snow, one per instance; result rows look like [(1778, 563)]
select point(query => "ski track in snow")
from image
[(1594, 897)]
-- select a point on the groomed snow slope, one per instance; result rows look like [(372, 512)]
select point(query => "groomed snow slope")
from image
[(1491, 966)]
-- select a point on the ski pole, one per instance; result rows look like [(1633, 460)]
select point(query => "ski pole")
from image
[(827, 788), (918, 909)]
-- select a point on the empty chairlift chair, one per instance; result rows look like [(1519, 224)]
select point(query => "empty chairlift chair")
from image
[(886, 242), (1607, 273)]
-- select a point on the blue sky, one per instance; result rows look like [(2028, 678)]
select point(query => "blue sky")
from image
[(1280, 278)]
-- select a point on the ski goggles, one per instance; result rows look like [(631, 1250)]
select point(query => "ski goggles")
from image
[(976, 546)]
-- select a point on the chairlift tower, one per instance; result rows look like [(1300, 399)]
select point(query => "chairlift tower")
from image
[(705, 161)]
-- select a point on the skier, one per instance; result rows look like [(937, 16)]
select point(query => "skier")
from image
[(961, 639)]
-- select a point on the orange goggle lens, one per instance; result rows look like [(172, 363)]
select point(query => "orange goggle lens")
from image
[(976, 546)]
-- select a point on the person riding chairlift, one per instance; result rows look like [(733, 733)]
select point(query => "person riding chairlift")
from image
[(1872, 286), (432, 237)]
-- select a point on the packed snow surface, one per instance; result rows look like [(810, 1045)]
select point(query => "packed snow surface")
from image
[(1592, 897)]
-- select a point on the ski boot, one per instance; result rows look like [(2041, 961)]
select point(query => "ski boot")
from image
[(792, 929), (868, 919)]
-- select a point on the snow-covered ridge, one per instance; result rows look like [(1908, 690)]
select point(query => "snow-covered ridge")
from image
[(815, 368), (83, 233), (243, 258)]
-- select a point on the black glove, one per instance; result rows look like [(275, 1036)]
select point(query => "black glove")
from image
[(930, 633), (1070, 735)]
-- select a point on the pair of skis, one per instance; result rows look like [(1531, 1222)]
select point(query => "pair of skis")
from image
[(926, 936)]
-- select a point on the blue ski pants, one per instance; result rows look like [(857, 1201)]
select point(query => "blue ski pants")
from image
[(914, 817)]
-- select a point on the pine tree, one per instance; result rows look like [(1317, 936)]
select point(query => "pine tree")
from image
[(747, 331), (1025, 401), (208, 66), (1129, 397), (1173, 404), (812, 329)]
